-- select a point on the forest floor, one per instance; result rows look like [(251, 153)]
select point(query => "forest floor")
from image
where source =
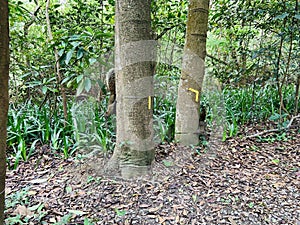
[(243, 181)]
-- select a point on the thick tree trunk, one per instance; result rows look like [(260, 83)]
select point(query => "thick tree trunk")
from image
[(189, 90), (134, 151), (4, 73)]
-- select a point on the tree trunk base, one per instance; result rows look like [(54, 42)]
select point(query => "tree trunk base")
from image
[(187, 139), (130, 171), (112, 167)]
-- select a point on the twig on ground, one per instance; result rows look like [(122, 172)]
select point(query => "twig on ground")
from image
[(274, 130)]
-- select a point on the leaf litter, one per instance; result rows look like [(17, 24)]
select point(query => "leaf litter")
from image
[(253, 181)]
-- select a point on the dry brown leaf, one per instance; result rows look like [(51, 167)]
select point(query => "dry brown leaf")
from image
[(23, 211), (151, 210), (38, 181), (52, 220), (231, 220), (31, 192)]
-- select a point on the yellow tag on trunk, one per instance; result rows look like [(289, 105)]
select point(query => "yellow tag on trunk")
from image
[(196, 92)]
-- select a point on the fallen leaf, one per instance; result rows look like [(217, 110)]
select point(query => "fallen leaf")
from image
[(23, 211), (76, 212), (38, 181), (52, 220)]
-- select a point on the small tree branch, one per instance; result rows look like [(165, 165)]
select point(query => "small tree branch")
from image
[(164, 32), (216, 59)]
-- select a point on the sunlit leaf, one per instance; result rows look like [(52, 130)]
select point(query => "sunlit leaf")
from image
[(69, 56), (44, 89)]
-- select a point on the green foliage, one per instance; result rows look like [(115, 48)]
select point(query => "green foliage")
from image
[(254, 42), (165, 92), (93, 132), (168, 163), (255, 104), (252, 49), (16, 198), (30, 126), (81, 35), (120, 213), (167, 16), (20, 200)]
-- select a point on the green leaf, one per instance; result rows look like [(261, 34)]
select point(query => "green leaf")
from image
[(68, 189), (75, 43), (167, 163), (61, 52), (194, 197), (87, 84), (87, 222), (282, 16), (35, 207), (69, 56), (74, 38), (79, 78), (69, 84), (251, 205), (89, 30), (80, 88), (80, 53), (120, 212), (276, 161), (44, 89), (92, 60), (275, 117), (66, 79), (297, 16)]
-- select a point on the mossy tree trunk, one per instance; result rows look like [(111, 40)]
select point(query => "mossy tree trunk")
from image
[(189, 90), (4, 73), (134, 151)]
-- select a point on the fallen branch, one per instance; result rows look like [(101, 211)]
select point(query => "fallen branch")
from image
[(274, 130)]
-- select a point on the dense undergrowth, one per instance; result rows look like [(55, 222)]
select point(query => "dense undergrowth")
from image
[(87, 129)]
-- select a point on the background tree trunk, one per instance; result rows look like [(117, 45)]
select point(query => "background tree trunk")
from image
[(134, 151), (4, 74), (59, 77), (189, 90)]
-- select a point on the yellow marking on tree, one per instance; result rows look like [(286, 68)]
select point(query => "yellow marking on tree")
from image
[(149, 102), (196, 92)]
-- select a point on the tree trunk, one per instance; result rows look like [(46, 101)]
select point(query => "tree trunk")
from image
[(189, 90), (134, 151), (4, 74)]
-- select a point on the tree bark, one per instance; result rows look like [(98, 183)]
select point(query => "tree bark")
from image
[(193, 68), (135, 51), (4, 74)]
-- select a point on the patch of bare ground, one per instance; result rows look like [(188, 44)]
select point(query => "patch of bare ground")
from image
[(245, 181)]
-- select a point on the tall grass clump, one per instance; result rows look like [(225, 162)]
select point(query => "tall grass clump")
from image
[(30, 126), (248, 104), (165, 95)]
